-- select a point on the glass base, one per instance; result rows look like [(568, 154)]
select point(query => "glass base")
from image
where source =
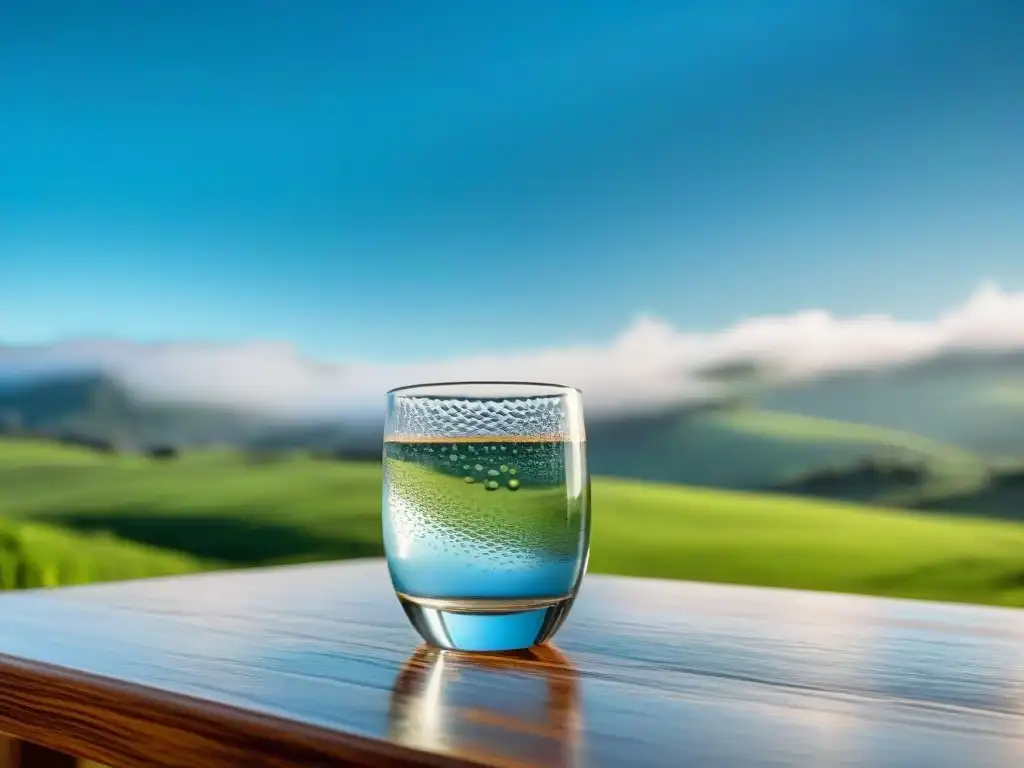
[(486, 624)]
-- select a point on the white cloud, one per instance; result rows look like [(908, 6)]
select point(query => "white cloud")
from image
[(649, 362)]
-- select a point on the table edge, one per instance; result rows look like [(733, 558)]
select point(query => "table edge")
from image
[(158, 727)]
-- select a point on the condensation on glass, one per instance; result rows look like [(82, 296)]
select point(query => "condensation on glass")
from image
[(486, 510)]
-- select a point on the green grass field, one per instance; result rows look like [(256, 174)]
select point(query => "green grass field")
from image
[(33, 555), (79, 516)]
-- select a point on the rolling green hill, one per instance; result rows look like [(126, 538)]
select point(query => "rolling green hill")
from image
[(966, 399), (815, 429), (34, 555), (220, 508), (753, 448), (215, 504), (951, 471), (725, 536)]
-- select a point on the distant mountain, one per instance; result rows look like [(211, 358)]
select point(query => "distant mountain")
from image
[(78, 406), (96, 408), (971, 399), (950, 415), (755, 449), (75, 401), (948, 436), (953, 413)]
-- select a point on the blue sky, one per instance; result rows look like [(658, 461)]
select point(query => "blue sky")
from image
[(407, 180)]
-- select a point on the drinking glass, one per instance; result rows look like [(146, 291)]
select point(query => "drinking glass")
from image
[(486, 510)]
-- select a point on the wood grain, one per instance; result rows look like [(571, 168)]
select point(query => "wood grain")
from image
[(316, 665)]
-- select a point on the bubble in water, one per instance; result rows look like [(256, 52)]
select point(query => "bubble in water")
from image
[(513, 471), (478, 467), (465, 466), (491, 485), (492, 472), (513, 484), (504, 467), (469, 479)]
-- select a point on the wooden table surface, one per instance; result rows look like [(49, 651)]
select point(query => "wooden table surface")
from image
[(316, 665)]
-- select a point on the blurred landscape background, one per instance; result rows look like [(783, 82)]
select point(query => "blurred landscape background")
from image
[(780, 247)]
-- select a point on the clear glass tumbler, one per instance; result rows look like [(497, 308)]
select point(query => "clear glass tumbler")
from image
[(486, 510)]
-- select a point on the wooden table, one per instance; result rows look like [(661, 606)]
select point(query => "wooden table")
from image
[(316, 665)]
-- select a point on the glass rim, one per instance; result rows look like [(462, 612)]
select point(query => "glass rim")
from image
[(553, 390)]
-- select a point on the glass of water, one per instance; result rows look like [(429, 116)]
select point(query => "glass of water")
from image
[(486, 510)]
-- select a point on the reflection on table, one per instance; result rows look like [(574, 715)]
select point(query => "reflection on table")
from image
[(519, 708)]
